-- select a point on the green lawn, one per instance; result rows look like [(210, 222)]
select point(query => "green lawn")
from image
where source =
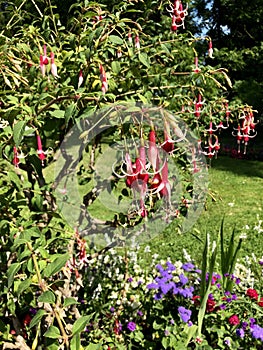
[(235, 193)]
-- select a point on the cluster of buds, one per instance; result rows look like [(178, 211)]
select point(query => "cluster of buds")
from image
[(44, 60), (178, 14), (246, 129), (103, 79)]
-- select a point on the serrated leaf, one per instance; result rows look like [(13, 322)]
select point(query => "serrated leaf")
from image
[(37, 318), (80, 324), (53, 333), (144, 59), (116, 39), (47, 297), (18, 132), (56, 265), (69, 301), (11, 272)]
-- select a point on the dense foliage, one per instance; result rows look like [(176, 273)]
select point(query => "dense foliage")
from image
[(60, 67)]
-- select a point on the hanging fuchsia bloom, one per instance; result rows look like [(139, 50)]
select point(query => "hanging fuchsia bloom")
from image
[(42, 66), (15, 159), (103, 79), (211, 130), (196, 69), (81, 79), (137, 42), (210, 154), (40, 152), (174, 26), (178, 14), (153, 151), (130, 37), (45, 58), (54, 70), (210, 49), (168, 144)]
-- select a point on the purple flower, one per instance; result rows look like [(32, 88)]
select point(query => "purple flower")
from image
[(183, 279), (112, 309), (170, 266), (184, 313), (257, 332), (240, 332), (131, 326), (188, 266), (172, 321), (244, 325), (139, 313), (130, 279), (166, 332)]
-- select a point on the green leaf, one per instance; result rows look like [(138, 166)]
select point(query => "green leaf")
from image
[(37, 318), (116, 39), (47, 297), (75, 342), (23, 285), (116, 67), (57, 113), (80, 324), (56, 265), (144, 59), (11, 272), (69, 301), (53, 332), (18, 132)]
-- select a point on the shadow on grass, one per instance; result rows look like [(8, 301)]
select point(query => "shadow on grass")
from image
[(240, 167)]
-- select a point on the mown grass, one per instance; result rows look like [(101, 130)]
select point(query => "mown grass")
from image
[(235, 194)]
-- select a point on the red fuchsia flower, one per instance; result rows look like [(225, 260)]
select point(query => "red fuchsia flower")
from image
[(103, 79), (196, 69), (137, 42), (252, 293), (168, 144), (45, 58), (210, 154), (211, 130), (216, 145), (221, 125), (233, 320), (198, 106), (42, 66), (81, 79), (227, 112), (238, 136), (54, 70), (40, 152), (130, 37), (153, 151), (174, 25), (15, 159), (210, 49), (178, 14)]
